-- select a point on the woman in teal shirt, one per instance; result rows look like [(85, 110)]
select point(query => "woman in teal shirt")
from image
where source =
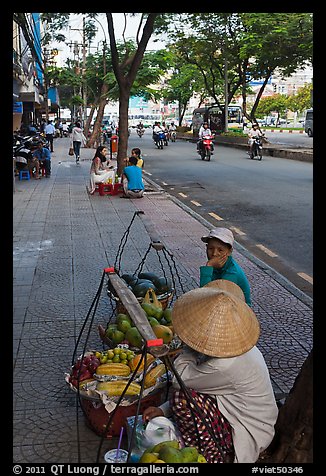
[(221, 264)]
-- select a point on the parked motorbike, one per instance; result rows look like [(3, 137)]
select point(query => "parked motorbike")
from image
[(206, 148), (257, 148), (159, 139)]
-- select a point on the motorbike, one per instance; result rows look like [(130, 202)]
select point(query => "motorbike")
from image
[(173, 136), (257, 148), (140, 132), (159, 139), (206, 147)]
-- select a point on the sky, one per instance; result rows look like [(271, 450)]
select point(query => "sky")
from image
[(76, 22)]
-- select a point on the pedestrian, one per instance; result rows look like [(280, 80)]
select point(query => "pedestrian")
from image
[(60, 127), (101, 170), (225, 377), (78, 139), (43, 155), (49, 131), (133, 185), (220, 263), (136, 152)]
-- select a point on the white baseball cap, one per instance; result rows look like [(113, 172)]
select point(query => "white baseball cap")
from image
[(223, 234)]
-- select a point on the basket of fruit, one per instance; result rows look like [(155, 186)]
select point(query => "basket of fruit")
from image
[(159, 285)]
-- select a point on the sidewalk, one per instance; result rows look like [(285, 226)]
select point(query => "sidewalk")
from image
[(63, 238)]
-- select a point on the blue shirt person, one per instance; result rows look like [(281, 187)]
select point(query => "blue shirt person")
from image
[(44, 157), (221, 264), (132, 179)]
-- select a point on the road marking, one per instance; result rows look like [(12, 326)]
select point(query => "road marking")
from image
[(306, 277), (183, 195), (237, 230), (147, 173), (163, 183), (196, 203), (267, 251), (215, 216)]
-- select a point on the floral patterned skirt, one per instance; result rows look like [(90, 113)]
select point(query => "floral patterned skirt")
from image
[(193, 427)]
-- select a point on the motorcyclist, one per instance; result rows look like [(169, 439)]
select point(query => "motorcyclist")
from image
[(254, 132), (140, 128), (157, 129), (204, 131)]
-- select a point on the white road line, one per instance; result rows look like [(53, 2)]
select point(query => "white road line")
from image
[(163, 183), (183, 195), (306, 277), (215, 216), (267, 251), (237, 230), (147, 173), (196, 203)]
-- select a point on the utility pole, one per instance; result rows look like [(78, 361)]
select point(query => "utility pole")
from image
[(83, 45), (226, 86)]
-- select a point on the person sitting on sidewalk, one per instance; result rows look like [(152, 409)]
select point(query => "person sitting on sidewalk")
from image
[(225, 377), (101, 170), (25, 161), (221, 264), (43, 155), (132, 180), (136, 152)]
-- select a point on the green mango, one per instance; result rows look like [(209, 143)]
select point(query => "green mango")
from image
[(189, 454), (117, 336), (153, 321), (170, 455), (172, 443), (123, 317), (167, 314), (134, 337), (109, 330), (150, 309)]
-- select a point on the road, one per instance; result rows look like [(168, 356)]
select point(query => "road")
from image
[(267, 204)]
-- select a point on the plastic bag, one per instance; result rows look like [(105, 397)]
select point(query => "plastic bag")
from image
[(71, 151), (149, 434)]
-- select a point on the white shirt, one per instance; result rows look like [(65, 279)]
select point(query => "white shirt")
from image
[(157, 129), (244, 395), (254, 132), (204, 132), (77, 135)]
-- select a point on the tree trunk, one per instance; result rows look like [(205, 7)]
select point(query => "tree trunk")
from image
[(293, 440), (123, 127), (99, 117), (89, 120)]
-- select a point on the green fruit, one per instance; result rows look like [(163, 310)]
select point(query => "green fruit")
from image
[(163, 285), (148, 457), (141, 289), (201, 459), (189, 454), (134, 337), (123, 317), (128, 278), (110, 329), (159, 446), (123, 326), (167, 314), (153, 321), (150, 276), (170, 455), (117, 336)]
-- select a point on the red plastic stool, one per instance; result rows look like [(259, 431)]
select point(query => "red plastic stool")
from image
[(117, 188), (105, 189)]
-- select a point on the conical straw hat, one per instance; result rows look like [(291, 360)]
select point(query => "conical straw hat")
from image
[(215, 322), (228, 286)]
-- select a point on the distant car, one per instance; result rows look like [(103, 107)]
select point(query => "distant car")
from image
[(308, 123)]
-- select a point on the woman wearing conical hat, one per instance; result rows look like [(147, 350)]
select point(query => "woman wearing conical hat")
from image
[(224, 377)]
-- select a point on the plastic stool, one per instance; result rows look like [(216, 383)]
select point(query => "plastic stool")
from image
[(105, 189), (24, 175)]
